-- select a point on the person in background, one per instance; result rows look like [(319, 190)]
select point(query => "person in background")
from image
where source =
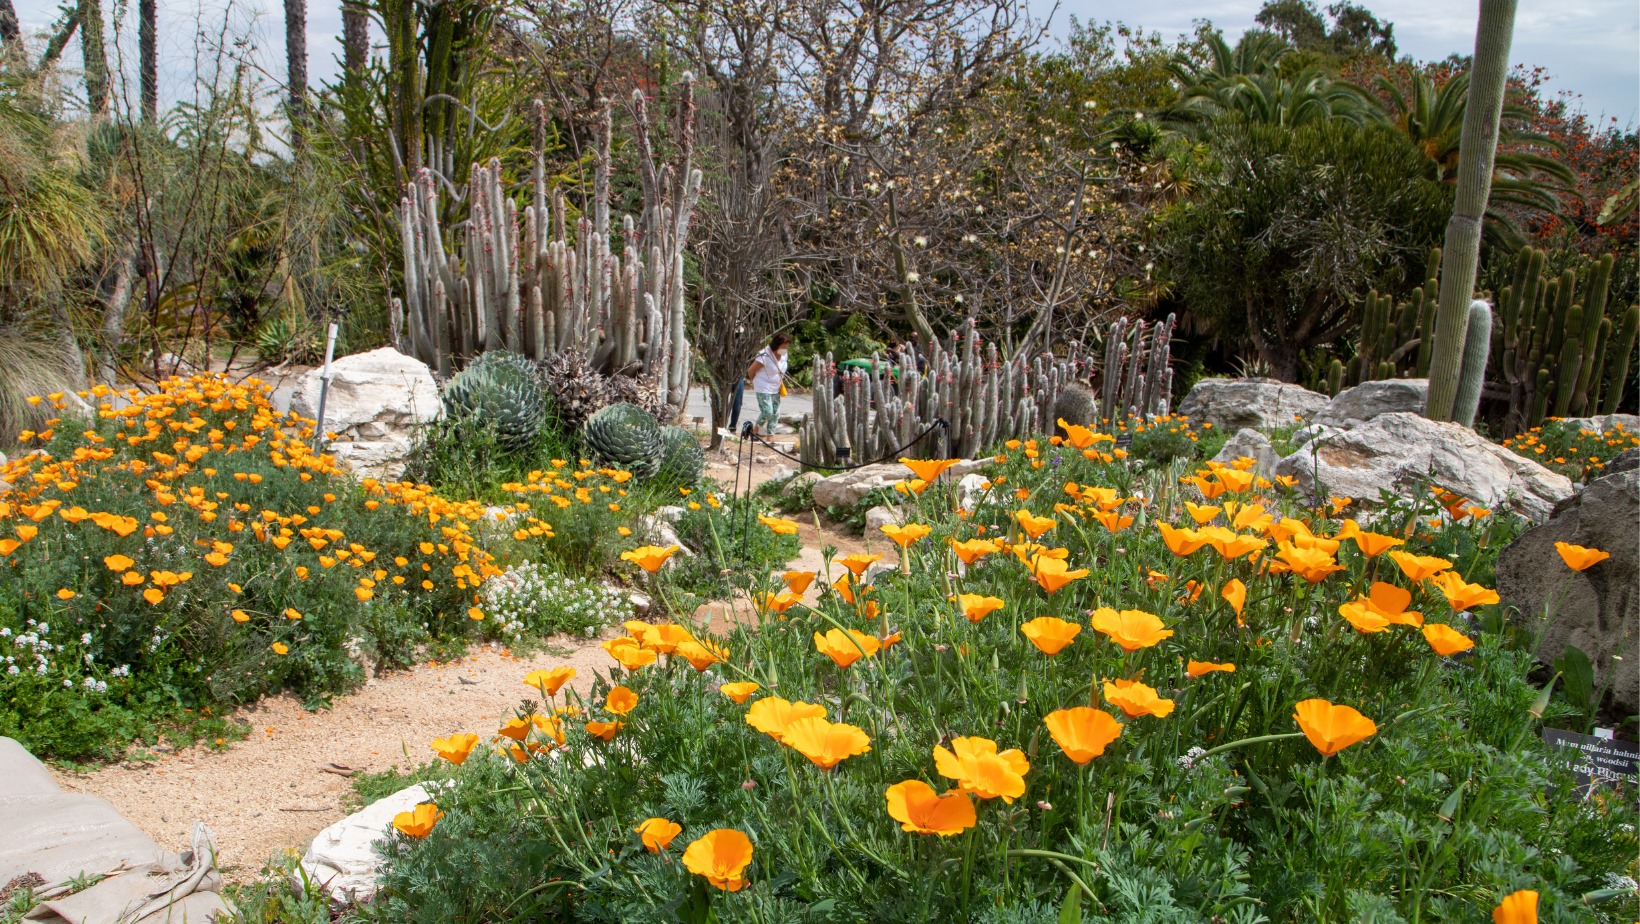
[(766, 376)]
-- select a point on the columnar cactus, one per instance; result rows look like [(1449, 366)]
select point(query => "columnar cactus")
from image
[(1472, 378), (1138, 380), (525, 286), (1397, 333)]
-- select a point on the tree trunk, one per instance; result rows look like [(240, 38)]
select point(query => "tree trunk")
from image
[(296, 76), (1478, 148), (355, 42), (148, 57), (114, 319), (10, 31), (59, 41), (95, 57)]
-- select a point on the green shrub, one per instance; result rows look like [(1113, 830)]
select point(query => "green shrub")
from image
[(1577, 453), (732, 549)]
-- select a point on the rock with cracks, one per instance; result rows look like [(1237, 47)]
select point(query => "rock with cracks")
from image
[(1250, 444), (1400, 452), (1259, 404), (343, 859), (850, 488), (1598, 609), (1368, 400), (376, 401)]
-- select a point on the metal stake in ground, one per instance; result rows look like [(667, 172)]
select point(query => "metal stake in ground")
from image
[(324, 382)]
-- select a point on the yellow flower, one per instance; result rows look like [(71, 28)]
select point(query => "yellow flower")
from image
[(778, 525), (620, 701), (771, 715), (418, 822), (739, 691), (1050, 634), (1136, 699), (455, 748), (845, 649), (905, 535), (721, 856), (976, 606), (974, 549), (858, 562), (549, 682), (657, 833), (928, 469), (649, 557), (979, 769)]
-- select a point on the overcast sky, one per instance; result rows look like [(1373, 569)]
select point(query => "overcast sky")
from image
[(1590, 47)]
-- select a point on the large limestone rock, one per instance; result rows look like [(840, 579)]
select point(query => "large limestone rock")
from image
[(1250, 444), (1596, 610), (1399, 451), (1357, 405), (1259, 404), (376, 401), (342, 860), (849, 488)]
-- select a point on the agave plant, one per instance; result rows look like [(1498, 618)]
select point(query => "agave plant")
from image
[(625, 436), (500, 390)]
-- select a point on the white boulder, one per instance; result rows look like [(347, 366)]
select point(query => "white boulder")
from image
[(342, 859), (376, 401), (1259, 404), (1357, 405)]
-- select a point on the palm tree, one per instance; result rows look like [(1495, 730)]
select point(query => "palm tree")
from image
[(1248, 80), (296, 77), (148, 57)]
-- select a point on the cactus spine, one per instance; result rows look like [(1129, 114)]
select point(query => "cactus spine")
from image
[(1472, 378), (520, 283)]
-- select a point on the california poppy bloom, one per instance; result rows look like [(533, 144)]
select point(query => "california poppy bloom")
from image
[(798, 581), (604, 730), (772, 714), (739, 691), (1181, 542), (1081, 732), (974, 549), (418, 822), (549, 682), (701, 655), (1374, 544), (845, 649), (1332, 728), (629, 653), (928, 469), (1201, 513), (1194, 669), (1131, 629), (64, 593), (920, 810), (1112, 521), (118, 562), (1579, 558), (778, 525), (1518, 908), (1078, 436), (977, 606), (154, 595), (1235, 594), (980, 769), (1446, 640), (858, 562), (1032, 524), (1311, 564), (649, 557), (825, 743), (620, 701), (1419, 567), (657, 833), (1050, 634), (777, 603), (722, 857), (1136, 699), (455, 748), (1460, 594), (1052, 574), (905, 535)]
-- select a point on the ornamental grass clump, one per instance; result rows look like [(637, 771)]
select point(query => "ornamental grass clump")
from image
[(1212, 737)]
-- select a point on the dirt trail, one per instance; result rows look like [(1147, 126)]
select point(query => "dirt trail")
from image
[(269, 793)]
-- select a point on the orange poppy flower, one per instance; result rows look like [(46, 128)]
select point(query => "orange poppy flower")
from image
[(778, 525), (418, 822), (1209, 488), (1311, 564), (1078, 436), (1230, 544), (649, 557), (1579, 558), (1194, 669), (1235, 594), (1517, 908), (844, 589), (118, 562), (1052, 574), (454, 748), (701, 655), (1032, 524), (153, 595), (1446, 640), (657, 833), (825, 743), (772, 714), (1332, 728), (777, 603), (846, 648), (1372, 544), (604, 730), (798, 581), (1181, 542), (1136, 699), (1131, 629), (620, 701), (1201, 513), (928, 469), (661, 637), (721, 856), (629, 653), (1419, 567), (1383, 606), (1050, 634), (280, 648), (65, 594), (549, 682), (979, 769), (905, 535), (920, 810), (858, 562), (1460, 594), (1112, 521), (240, 616), (1081, 732), (978, 606), (914, 486), (739, 691), (974, 549)]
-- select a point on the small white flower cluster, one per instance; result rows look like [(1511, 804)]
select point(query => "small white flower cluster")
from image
[(1187, 760), (29, 652), (536, 598)]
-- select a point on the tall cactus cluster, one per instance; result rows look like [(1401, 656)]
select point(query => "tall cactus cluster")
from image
[(983, 397), (1138, 380), (1558, 351), (1395, 336), (526, 286)]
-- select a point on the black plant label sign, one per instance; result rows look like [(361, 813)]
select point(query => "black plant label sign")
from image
[(1596, 761)]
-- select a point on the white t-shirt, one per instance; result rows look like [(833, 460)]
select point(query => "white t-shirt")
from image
[(770, 369)]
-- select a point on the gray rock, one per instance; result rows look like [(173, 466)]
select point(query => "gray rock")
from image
[(1249, 444), (1261, 404), (850, 488), (1399, 451), (1304, 435), (669, 514), (1626, 461), (376, 401), (1596, 610), (971, 489), (880, 516), (1629, 423), (657, 531), (1357, 405)]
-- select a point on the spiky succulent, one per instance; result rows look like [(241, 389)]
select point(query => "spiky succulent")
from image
[(625, 436), (500, 390), (1077, 405), (682, 459)]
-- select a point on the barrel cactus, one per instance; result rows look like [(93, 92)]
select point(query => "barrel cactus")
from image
[(500, 390), (682, 460), (625, 436), (1076, 405)]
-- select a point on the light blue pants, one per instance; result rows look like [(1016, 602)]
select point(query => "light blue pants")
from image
[(768, 412)]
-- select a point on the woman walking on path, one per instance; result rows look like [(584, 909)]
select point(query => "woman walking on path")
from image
[(766, 374)]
